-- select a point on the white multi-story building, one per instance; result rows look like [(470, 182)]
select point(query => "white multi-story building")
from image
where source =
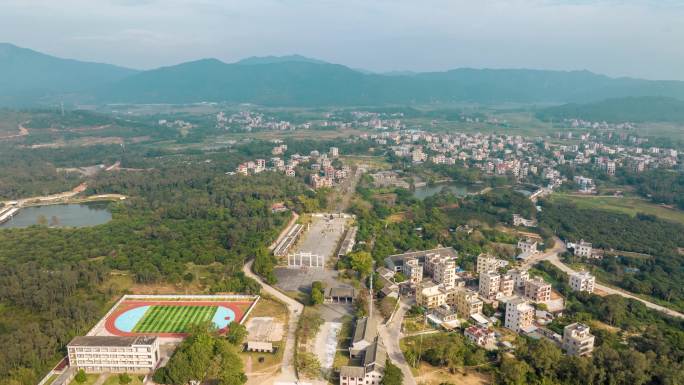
[(582, 281), (583, 249), (527, 245), (442, 268), (431, 295), (494, 285), (519, 314), (489, 285), (413, 270), (468, 303), (96, 354), (507, 285), (520, 276), (538, 290), (486, 263), (577, 340)]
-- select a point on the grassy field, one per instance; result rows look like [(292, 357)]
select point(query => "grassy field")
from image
[(173, 319), (90, 379), (630, 206), (375, 162), (114, 380)]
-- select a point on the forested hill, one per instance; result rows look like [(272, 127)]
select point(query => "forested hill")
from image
[(29, 77), (306, 83), (618, 110)]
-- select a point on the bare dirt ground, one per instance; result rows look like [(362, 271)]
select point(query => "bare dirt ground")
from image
[(23, 131), (429, 375)]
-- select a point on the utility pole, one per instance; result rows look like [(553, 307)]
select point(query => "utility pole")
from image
[(370, 312)]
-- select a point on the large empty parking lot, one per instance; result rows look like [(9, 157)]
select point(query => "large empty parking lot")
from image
[(322, 236)]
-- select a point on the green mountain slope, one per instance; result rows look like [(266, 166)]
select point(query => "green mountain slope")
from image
[(307, 83), (29, 76), (631, 109)]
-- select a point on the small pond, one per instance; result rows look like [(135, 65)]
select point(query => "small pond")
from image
[(66, 215)]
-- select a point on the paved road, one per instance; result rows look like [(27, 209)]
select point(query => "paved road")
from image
[(49, 198), (559, 247), (288, 373), (610, 290), (390, 335)]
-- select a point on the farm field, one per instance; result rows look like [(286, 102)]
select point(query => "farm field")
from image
[(630, 206)]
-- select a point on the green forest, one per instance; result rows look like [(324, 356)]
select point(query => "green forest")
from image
[(182, 210), (659, 276)]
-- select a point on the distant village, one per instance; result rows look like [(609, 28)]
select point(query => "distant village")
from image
[(319, 166)]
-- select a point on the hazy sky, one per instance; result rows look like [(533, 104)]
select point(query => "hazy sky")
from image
[(638, 38)]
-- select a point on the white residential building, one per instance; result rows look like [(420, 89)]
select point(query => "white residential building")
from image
[(527, 245), (519, 314), (583, 249), (468, 303), (413, 270), (489, 285), (577, 340), (582, 281), (519, 277), (538, 290), (494, 286), (442, 267), (487, 263)]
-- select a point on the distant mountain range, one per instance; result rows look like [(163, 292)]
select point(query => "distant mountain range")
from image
[(28, 77), (630, 109)]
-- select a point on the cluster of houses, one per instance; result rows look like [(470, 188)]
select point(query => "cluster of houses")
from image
[(177, 124), (521, 157), (249, 121), (452, 296), (252, 121), (323, 173)]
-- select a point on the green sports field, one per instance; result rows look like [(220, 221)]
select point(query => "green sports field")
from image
[(173, 319)]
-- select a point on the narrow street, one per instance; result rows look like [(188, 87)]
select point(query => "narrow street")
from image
[(288, 372), (609, 290), (390, 335)]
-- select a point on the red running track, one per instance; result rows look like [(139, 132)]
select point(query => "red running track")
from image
[(238, 308)]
